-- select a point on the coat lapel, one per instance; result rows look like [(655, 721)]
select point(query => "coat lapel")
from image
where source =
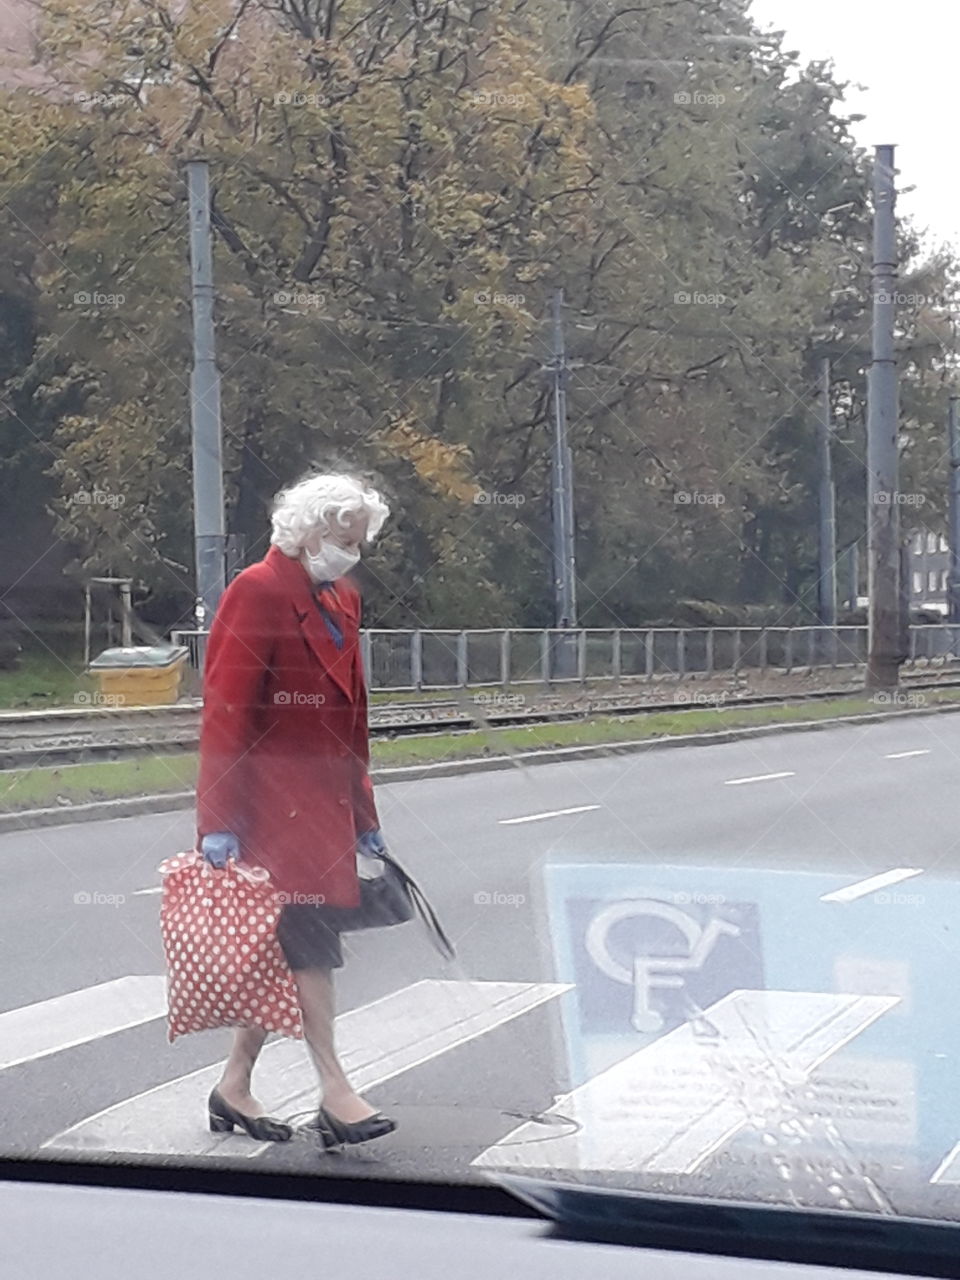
[(338, 663)]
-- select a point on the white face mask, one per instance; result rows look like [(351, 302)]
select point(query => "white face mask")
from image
[(330, 562)]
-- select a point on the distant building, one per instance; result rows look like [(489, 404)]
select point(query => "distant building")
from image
[(929, 559)]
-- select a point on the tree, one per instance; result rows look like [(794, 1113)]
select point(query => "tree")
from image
[(397, 192)]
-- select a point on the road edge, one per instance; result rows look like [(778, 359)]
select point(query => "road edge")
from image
[(177, 801)]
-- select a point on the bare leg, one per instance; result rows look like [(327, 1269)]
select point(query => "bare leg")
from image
[(317, 1006), (234, 1084)]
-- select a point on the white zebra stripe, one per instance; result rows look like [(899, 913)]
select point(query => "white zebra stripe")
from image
[(669, 1106), (375, 1042), (37, 1030)]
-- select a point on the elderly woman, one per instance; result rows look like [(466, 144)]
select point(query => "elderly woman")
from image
[(283, 771)]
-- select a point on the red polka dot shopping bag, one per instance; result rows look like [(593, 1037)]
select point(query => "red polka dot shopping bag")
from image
[(224, 964)]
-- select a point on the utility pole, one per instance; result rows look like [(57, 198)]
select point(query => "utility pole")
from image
[(953, 509), (883, 510), (903, 553), (827, 582), (208, 519), (853, 575), (564, 552)]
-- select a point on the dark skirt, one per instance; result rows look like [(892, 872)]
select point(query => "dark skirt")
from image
[(309, 936)]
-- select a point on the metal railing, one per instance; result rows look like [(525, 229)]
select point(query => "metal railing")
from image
[(450, 659)]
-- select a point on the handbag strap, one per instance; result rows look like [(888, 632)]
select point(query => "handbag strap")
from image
[(423, 908)]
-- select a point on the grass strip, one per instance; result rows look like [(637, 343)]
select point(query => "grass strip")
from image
[(41, 788), (83, 783), (44, 680)]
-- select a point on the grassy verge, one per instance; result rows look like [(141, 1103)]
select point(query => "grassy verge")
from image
[(157, 775), (634, 728), (43, 680), (83, 783)]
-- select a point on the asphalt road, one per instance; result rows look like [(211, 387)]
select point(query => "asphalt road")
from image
[(78, 908)]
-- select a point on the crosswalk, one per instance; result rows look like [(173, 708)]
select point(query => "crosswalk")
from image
[(377, 1042), (671, 1105), (664, 1109), (50, 1026), (947, 1172)]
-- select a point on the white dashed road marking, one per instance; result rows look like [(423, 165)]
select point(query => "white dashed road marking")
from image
[(863, 887), (760, 777), (551, 813)]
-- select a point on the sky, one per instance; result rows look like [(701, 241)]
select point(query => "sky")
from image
[(906, 56)]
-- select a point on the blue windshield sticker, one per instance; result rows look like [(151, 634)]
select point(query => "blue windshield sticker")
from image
[(832, 996)]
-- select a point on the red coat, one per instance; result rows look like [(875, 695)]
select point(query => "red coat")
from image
[(284, 748)]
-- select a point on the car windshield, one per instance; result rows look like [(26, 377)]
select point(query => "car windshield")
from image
[(480, 593)]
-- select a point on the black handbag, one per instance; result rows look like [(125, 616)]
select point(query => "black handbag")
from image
[(393, 897)]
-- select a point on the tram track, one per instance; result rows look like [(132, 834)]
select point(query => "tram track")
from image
[(49, 739)]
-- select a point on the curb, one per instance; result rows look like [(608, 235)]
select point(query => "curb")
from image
[(138, 806), (98, 811)]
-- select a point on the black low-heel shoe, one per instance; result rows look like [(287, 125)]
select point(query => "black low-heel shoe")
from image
[(337, 1133), (224, 1119)]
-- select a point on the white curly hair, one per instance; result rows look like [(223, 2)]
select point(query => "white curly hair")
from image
[(318, 504)]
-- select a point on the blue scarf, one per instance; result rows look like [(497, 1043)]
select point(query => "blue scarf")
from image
[(335, 631)]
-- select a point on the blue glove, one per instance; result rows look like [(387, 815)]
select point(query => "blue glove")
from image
[(372, 844), (218, 847)]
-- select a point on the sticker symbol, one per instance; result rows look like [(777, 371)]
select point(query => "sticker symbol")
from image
[(652, 972)]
